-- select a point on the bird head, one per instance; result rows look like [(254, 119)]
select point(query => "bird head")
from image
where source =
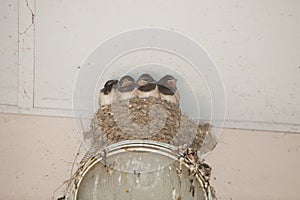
[(109, 85), (145, 79), (169, 82), (126, 83)]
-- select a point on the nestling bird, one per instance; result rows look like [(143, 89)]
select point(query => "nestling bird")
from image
[(147, 87), (168, 89), (126, 88), (108, 93)]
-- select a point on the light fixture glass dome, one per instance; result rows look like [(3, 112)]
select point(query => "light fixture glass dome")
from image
[(138, 170)]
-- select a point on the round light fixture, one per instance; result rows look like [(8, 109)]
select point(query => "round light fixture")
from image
[(136, 170)]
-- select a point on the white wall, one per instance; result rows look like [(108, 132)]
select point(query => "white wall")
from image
[(36, 155), (255, 45)]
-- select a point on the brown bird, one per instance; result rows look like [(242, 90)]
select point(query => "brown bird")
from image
[(126, 88), (168, 89), (147, 87), (108, 93)]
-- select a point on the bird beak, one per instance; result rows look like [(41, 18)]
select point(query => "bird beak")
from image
[(141, 82), (127, 83), (172, 83)]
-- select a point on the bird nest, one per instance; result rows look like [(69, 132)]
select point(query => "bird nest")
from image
[(145, 119)]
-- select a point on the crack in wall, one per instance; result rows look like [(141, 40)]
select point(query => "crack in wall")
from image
[(32, 18), (26, 43)]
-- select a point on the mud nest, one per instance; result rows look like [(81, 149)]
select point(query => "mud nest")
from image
[(145, 119)]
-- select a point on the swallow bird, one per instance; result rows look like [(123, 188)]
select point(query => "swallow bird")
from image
[(126, 88), (147, 87), (168, 90), (108, 93)]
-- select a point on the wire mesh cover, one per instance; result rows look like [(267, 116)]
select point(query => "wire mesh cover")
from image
[(157, 52), (119, 119), (135, 171)]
